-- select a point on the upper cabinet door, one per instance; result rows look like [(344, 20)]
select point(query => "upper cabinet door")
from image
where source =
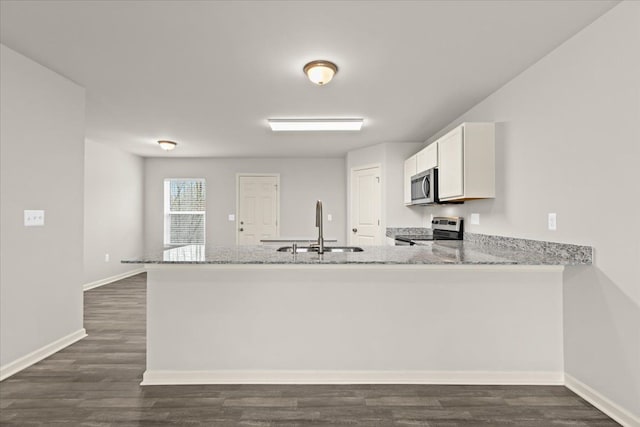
[(409, 171), (451, 164), (427, 158)]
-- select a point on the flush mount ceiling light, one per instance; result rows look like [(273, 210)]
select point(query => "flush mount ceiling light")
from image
[(167, 145), (315, 124), (320, 72)]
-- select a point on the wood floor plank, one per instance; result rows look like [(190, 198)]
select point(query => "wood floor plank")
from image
[(96, 382)]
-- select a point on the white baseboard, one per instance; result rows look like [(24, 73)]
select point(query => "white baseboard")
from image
[(166, 377), (613, 410), (43, 352), (111, 279)]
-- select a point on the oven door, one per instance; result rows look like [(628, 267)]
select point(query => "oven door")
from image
[(423, 188)]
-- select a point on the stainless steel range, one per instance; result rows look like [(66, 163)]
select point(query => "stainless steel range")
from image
[(442, 228)]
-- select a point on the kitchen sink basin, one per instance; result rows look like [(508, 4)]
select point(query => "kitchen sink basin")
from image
[(342, 249), (302, 249)]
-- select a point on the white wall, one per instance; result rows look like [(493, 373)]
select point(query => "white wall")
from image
[(113, 210), (568, 138), (362, 323), (302, 182), (42, 149), (391, 157)]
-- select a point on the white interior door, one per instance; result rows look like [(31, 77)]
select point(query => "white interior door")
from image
[(366, 194), (258, 207)]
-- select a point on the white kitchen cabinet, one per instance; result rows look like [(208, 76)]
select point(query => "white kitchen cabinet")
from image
[(466, 163), (409, 170), (427, 158)]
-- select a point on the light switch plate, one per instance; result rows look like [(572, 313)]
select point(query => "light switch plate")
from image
[(329, 217), (475, 219), (552, 222), (232, 217), (33, 218)]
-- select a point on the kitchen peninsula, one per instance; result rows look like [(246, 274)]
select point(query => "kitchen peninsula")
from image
[(444, 312)]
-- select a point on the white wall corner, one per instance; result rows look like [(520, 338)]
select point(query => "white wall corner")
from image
[(613, 410), (43, 352)]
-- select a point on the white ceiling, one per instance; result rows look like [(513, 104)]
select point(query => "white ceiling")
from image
[(210, 74)]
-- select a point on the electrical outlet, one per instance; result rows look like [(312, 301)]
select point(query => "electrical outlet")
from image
[(33, 218), (232, 217), (106, 257), (329, 217), (475, 219), (552, 222)]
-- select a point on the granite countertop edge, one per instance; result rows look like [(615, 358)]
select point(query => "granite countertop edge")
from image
[(478, 251)]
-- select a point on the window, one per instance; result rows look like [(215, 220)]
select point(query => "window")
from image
[(184, 211)]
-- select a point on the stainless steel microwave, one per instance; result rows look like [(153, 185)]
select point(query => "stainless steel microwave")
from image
[(424, 187)]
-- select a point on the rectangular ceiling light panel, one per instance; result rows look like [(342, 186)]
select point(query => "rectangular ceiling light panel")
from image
[(315, 124)]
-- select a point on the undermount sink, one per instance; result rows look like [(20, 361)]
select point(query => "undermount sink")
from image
[(299, 249), (342, 249), (302, 249)]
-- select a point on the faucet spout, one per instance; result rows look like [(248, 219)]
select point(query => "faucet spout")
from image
[(319, 225)]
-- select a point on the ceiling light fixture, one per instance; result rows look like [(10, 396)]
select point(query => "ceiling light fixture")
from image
[(315, 124), (320, 72), (167, 145)]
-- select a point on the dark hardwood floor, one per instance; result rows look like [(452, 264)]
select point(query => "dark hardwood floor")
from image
[(95, 382)]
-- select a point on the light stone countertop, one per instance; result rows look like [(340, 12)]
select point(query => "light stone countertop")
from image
[(428, 253)]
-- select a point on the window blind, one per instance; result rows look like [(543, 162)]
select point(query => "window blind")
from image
[(185, 201)]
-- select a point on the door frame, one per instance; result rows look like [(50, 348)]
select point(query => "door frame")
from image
[(251, 174), (350, 219)]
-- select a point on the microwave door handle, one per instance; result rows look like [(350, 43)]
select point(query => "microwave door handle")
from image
[(424, 187)]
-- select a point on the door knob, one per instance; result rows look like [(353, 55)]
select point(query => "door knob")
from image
[(242, 229), (355, 230), (241, 222)]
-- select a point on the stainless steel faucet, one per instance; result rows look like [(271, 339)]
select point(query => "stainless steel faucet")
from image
[(319, 225)]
